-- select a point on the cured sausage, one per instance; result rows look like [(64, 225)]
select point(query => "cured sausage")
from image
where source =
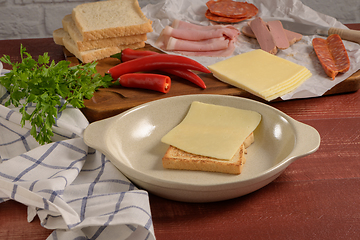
[(232, 9), (220, 19), (332, 55)]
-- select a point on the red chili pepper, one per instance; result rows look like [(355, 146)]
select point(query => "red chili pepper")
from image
[(149, 81), (156, 62), (131, 54)]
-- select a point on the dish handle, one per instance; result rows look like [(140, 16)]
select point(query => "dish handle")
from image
[(93, 134), (307, 140)]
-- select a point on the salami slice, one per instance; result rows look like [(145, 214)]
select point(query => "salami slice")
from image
[(332, 55), (220, 19), (232, 9)]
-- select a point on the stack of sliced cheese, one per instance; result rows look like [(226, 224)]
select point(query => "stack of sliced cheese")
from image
[(261, 73), (100, 29)]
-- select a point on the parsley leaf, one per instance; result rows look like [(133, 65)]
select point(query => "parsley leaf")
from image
[(45, 84)]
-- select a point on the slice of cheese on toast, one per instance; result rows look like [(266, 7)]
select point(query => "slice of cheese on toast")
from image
[(175, 158), (213, 130), (211, 138)]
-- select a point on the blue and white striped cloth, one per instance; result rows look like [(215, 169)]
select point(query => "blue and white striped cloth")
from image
[(73, 189)]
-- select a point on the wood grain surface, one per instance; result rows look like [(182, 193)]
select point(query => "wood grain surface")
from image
[(316, 197)]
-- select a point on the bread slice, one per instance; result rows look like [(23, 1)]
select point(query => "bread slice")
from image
[(175, 158), (70, 27), (61, 37), (107, 19)]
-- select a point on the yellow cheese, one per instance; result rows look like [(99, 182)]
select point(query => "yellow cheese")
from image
[(261, 73), (212, 130)]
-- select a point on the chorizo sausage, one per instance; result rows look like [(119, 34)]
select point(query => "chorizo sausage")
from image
[(332, 55)]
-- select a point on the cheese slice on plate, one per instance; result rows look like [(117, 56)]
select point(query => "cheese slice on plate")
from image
[(213, 130), (261, 73)]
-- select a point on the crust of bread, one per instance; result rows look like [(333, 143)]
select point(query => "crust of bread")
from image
[(107, 19), (58, 36), (70, 27), (175, 158), (61, 37)]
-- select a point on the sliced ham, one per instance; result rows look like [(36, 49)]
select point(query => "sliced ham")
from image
[(195, 35), (263, 35), (219, 53), (197, 46), (195, 40), (277, 31)]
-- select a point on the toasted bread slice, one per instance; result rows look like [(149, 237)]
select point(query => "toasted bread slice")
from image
[(175, 158)]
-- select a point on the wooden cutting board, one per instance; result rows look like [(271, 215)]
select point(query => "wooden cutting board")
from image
[(108, 102)]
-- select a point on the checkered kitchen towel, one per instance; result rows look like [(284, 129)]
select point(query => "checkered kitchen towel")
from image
[(73, 189)]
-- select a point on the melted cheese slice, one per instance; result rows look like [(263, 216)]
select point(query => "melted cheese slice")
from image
[(212, 130), (261, 73)]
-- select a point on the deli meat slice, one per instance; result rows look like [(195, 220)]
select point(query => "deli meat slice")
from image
[(332, 55), (278, 33), (221, 19), (263, 35), (218, 53), (229, 11), (195, 35), (195, 40), (292, 37), (212, 44), (230, 8)]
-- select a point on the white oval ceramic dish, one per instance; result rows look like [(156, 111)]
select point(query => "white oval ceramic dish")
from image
[(131, 140)]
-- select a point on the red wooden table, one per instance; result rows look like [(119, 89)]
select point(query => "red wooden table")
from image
[(316, 197)]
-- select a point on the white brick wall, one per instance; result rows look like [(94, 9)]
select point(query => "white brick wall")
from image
[(39, 18)]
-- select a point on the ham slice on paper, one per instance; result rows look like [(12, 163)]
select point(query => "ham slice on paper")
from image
[(212, 44), (218, 53), (198, 34), (195, 40)]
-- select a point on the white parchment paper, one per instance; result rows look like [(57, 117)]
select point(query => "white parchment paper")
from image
[(165, 11)]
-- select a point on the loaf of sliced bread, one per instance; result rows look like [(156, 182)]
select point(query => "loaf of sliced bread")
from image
[(61, 37), (70, 27), (175, 158), (108, 19)]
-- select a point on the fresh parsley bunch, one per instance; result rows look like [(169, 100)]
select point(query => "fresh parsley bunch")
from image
[(45, 84)]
